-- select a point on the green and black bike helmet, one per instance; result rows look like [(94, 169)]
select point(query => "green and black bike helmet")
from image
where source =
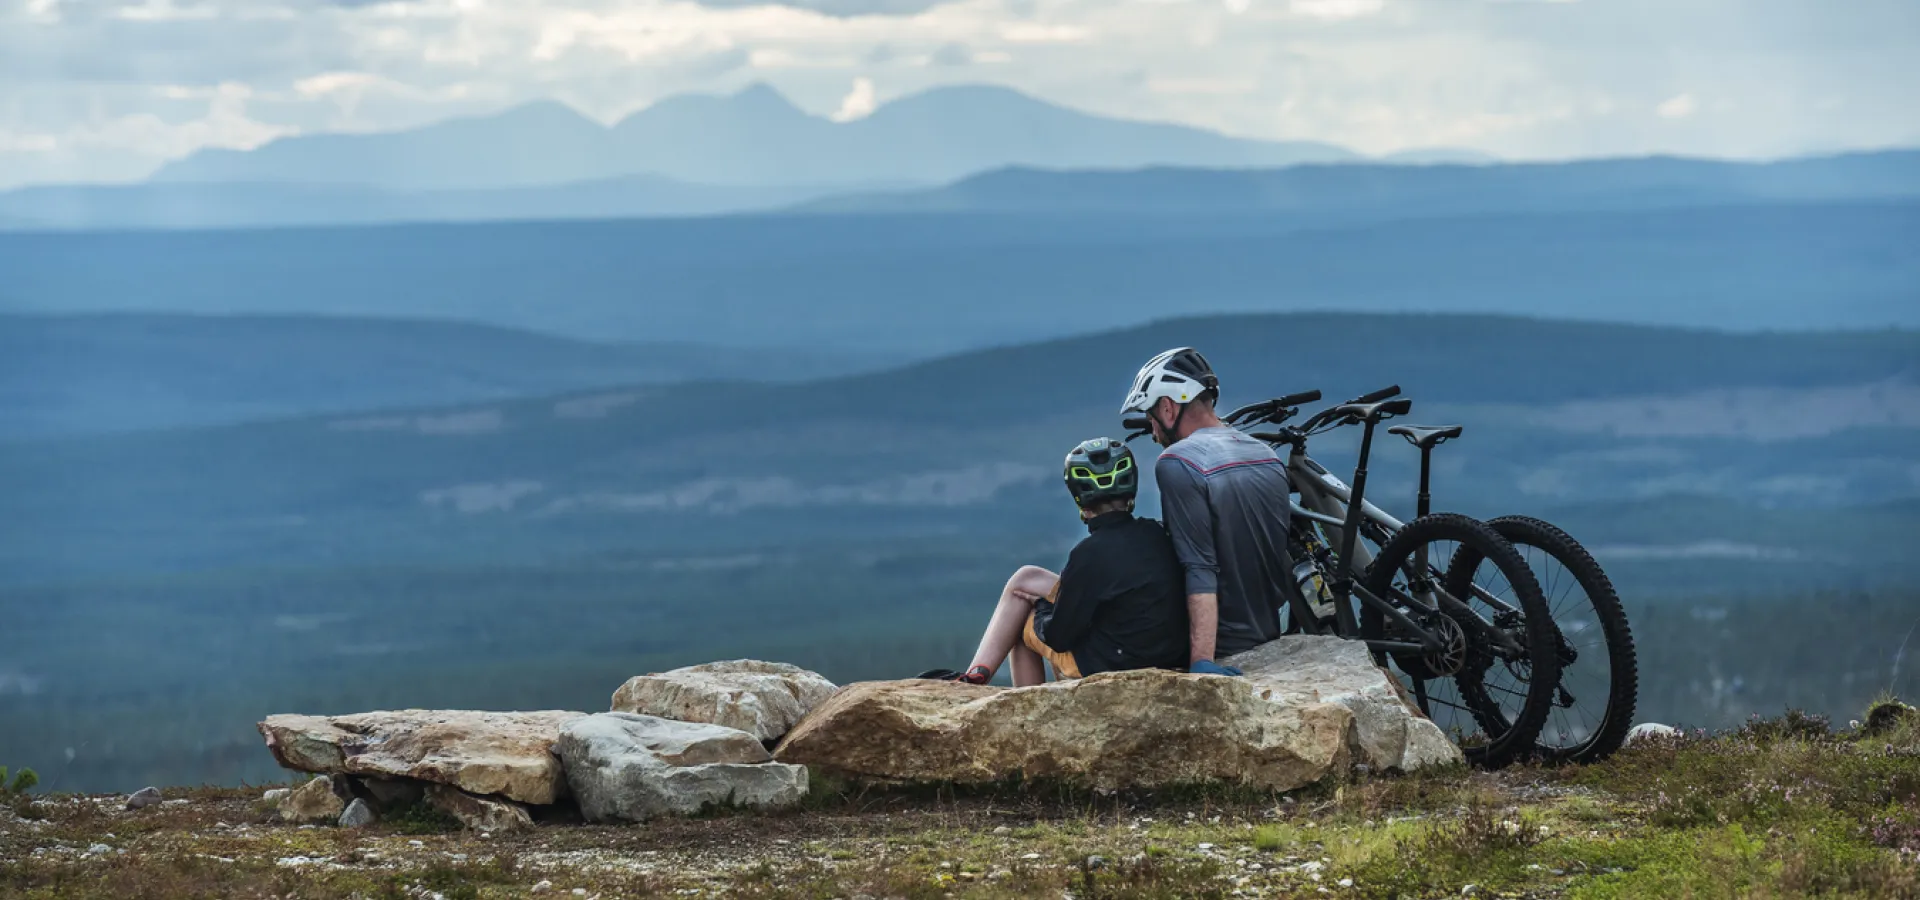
[(1099, 470)]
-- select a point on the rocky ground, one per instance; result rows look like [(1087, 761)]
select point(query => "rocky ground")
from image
[(1779, 808)]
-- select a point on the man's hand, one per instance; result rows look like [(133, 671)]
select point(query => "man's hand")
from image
[(1209, 667)]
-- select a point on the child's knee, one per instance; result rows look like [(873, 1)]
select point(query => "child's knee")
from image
[(1030, 574)]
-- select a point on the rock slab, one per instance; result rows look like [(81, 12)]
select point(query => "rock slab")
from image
[(502, 753), (1114, 730), (629, 767), (1390, 732), (760, 698)]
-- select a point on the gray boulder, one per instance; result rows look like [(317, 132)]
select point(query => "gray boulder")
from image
[(1389, 731), (358, 814), (622, 766), (760, 698), (1650, 731)]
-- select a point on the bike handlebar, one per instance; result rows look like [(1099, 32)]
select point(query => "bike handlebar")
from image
[(1328, 415), (1265, 409), (1377, 396)]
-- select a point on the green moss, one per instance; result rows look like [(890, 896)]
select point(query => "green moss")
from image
[(420, 818)]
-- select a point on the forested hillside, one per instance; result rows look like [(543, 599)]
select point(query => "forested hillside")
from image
[(62, 375)]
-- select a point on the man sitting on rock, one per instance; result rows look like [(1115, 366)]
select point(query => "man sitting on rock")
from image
[(1117, 604), (1225, 497)]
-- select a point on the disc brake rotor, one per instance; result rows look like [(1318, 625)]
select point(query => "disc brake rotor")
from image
[(1448, 660)]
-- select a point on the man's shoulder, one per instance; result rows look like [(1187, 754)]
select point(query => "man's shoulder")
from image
[(1210, 449)]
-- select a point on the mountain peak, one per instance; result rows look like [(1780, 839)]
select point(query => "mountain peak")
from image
[(532, 114), (969, 98), (757, 101), (764, 95)]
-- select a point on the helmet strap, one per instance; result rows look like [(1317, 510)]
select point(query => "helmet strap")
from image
[(1172, 431)]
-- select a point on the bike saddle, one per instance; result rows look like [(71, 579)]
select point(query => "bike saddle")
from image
[(1426, 436), (1385, 409)]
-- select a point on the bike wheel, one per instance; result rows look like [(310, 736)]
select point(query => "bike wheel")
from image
[(1599, 677), (1492, 702)]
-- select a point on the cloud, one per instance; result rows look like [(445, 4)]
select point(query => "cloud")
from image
[(1679, 106), (1333, 9), (839, 8), (951, 54), (129, 146), (858, 103), (1044, 33)]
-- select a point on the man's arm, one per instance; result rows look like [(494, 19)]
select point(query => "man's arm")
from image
[(1203, 625), (1189, 515)]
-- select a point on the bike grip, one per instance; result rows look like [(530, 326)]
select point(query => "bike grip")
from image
[(1297, 399), (1378, 395)]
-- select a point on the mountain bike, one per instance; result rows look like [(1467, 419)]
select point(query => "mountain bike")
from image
[(1441, 633), (1594, 697)]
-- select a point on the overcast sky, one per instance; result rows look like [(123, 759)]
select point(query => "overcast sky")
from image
[(109, 89)]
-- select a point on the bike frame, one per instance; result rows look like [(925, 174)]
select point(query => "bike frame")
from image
[(1325, 500)]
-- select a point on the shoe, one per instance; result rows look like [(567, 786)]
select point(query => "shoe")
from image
[(975, 675)]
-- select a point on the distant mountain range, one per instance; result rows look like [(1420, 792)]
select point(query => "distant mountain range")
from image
[(914, 284), (755, 137), (1351, 192), (684, 156), (1321, 194), (87, 374)]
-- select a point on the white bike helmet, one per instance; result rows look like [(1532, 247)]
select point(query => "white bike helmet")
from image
[(1180, 374)]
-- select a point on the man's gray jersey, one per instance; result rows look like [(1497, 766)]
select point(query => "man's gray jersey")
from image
[(1224, 497)]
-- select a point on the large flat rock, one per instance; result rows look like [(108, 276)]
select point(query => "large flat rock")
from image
[(1113, 730), (634, 768), (505, 754), (760, 698), (1389, 731)]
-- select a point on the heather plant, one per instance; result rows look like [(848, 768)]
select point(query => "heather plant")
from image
[(23, 781)]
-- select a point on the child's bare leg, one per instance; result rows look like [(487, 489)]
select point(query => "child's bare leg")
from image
[(1028, 667), (1002, 637)]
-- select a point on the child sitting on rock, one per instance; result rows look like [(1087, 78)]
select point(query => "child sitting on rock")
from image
[(1120, 603)]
